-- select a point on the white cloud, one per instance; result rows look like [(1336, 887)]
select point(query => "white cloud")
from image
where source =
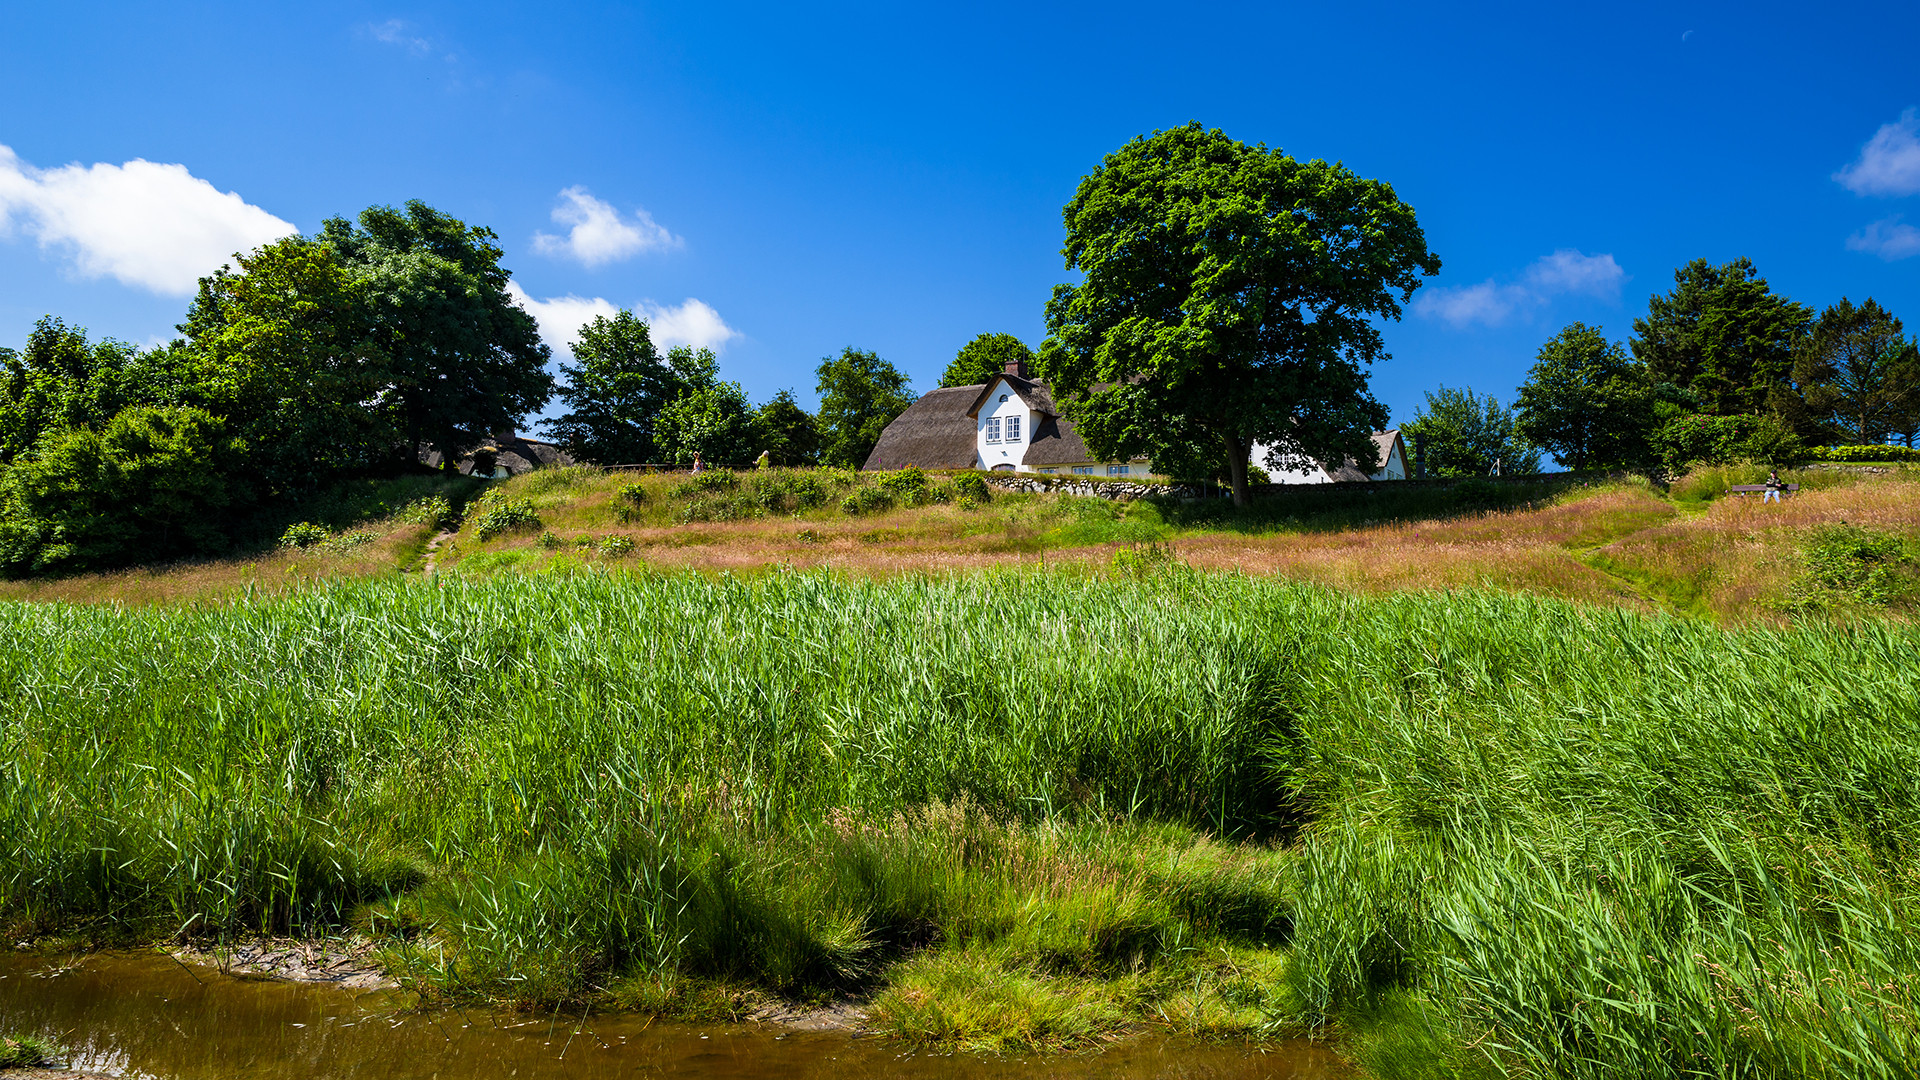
[(1565, 272), (599, 234), (1890, 162), (400, 32), (561, 318), (1568, 271), (158, 227), (1887, 238), (692, 322)]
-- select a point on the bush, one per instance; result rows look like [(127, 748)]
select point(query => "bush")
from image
[(616, 545), (970, 485), (349, 541), (709, 480), (866, 500), (1698, 439), (503, 517), (1864, 453), (1141, 559), (433, 510), (626, 506), (304, 535), (908, 486)]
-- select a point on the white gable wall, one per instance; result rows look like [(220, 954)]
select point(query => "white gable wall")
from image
[(1003, 413), (1312, 474)]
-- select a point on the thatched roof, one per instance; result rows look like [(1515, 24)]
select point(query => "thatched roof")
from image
[(1031, 391), (518, 453), (936, 432), (1055, 443)]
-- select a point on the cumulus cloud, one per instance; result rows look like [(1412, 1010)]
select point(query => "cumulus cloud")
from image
[(599, 234), (1490, 303), (688, 323), (1890, 162), (1887, 238), (154, 226), (691, 322)]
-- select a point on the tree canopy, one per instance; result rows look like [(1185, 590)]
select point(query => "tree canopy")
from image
[(1460, 433), (615, 393), (1722, 336), (1230, 296), (787, 432), (1858, 373), (984, 357), (860, 394), (1587, 402), (710, 418), (463, 358)]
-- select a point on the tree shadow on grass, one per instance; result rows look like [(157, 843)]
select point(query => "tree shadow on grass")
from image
[(1322, 508)]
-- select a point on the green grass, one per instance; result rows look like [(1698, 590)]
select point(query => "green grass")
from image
[(1467, 834), (24, 1052)]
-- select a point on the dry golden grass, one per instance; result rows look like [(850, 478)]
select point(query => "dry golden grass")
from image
[(1625, 544)]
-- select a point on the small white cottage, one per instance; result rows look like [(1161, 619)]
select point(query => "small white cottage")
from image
[(1006, 425)]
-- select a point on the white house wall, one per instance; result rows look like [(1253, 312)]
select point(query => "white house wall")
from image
[(1312, 474), (1004, 451)]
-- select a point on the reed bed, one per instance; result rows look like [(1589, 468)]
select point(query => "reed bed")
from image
[(1467, 833)]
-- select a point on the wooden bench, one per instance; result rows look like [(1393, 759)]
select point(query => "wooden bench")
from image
[(1759, 489)]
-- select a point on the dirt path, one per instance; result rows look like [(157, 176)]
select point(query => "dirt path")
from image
[(433, 550)]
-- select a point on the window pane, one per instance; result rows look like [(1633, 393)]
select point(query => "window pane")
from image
[(1013, 429), (993, 429)]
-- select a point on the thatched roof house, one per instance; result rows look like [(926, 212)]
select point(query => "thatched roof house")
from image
[(504, 454), (1009, 424)]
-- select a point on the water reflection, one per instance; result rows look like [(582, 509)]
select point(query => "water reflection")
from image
[(147, 1016)]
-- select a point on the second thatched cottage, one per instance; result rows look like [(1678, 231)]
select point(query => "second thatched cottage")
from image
[(1009, 424)]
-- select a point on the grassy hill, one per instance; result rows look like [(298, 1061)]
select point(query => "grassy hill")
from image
[(1845, 544)]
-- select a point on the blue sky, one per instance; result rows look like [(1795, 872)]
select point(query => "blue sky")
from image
[(779, 181)]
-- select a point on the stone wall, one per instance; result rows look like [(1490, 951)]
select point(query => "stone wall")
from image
[(1124, 490)]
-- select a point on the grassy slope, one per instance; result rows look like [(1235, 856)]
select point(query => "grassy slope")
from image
[(1686, 550)]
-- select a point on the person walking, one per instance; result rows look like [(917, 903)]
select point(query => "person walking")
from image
[(1775, 486)]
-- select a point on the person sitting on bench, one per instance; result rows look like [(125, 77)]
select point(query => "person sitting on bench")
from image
[(1775, 486)]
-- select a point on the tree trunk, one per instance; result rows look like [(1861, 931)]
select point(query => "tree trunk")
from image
[(1237, 451)]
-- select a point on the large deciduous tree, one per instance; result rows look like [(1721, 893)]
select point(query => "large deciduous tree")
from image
[(1230, 296), (1460, 433), (860, 394), (984, 357), (1859, 373), (787, 432), (615, 394), (1723, 336), (464, 358), (1587, 402)]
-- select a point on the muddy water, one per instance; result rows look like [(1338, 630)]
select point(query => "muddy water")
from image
[(146, 1016)]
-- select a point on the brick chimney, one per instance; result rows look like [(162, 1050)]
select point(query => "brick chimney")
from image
[(1017, 368)]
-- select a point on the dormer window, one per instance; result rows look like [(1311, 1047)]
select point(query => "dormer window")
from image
[(1013, 429), (993, 429)]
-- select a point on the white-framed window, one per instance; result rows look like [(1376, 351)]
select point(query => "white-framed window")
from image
[(1049, 472), (993, 429), (1083, 470), (1118, 470), (1013, 429)]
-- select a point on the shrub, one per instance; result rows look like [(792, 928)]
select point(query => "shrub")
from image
[(433, 510), (1718, 440), (304, 535), (1864, 453), (627, 504), (549, 541), (710, 480), (785, 490), (503, 517), (866, 500), (908, 486), (349, 541), (616, 545), (970, 485)]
